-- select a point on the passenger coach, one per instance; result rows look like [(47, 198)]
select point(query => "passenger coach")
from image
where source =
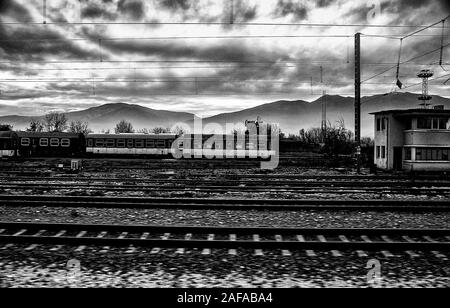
[(129, 144), (50, 144), (8, 144)]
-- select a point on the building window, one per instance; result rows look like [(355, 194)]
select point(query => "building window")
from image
[(25, 142), (424, 123), (433, 154), (440, 123), (383, 124), (378, 152), (409, 125), (408, 155), (43, 142), (65, 143), (383, 152), (378, 125), (120, 143), (54, 142)]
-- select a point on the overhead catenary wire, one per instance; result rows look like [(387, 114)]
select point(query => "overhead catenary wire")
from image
[(401, 63), (250, 24), (400, 50)]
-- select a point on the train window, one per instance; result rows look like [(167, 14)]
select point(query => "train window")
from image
[(43, 142), (130, 143), (149, 143), (140, 143), (120, 143), (54, 142), (110, 143), (99, 143), (90, 143), (161, 144), (65, 143), (25, 142)]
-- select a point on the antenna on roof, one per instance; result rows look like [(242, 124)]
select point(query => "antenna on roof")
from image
[(425, 97)]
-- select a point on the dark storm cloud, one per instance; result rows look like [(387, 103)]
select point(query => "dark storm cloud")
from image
[(176, 4), (432, 9), (12, 9), (133, 8), (243, 12), (289, 7), (219, 52), (40, 43), (324, 3), (95, 11)]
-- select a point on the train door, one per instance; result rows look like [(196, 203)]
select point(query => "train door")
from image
[(398, 158)]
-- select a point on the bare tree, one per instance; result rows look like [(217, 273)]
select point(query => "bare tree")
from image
[(178, 130), (124, 127), (160, 130), (5, 127), (56, 122), (35, 126), (144, 131), (79, 127)]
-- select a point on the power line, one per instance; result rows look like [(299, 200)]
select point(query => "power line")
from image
[(177, 37), (217, 24), (205, 37), (331, 62), (412, 59)]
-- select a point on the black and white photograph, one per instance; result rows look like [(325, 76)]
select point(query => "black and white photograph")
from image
[(224, 150)]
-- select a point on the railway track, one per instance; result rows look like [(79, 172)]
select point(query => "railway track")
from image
[(222, 204), (174, 188), (211, 181), (207, 238)]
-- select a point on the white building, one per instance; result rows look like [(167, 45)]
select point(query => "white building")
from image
[(413, 139)]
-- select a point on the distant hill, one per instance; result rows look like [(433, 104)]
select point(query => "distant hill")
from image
[(291, 115), (294, 115), (107, 116)]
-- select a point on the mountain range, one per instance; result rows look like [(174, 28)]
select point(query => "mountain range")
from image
[(291, 115)]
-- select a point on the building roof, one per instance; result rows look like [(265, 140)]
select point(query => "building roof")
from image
[(414, 112)]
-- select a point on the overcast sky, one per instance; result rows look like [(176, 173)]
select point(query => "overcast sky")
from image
[(66, 65)]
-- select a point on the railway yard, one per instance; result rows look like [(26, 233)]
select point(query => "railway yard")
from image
[(169, 223)]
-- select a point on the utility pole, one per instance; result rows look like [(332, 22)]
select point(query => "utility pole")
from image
[(358, 100)]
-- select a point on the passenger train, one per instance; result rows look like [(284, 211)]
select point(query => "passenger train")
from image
[(37, 144)]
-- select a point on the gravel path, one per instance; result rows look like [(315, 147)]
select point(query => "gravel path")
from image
[(40, 268), (311, 219)]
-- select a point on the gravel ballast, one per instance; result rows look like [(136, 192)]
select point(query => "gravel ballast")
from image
[(301, 219), (40, 268)]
